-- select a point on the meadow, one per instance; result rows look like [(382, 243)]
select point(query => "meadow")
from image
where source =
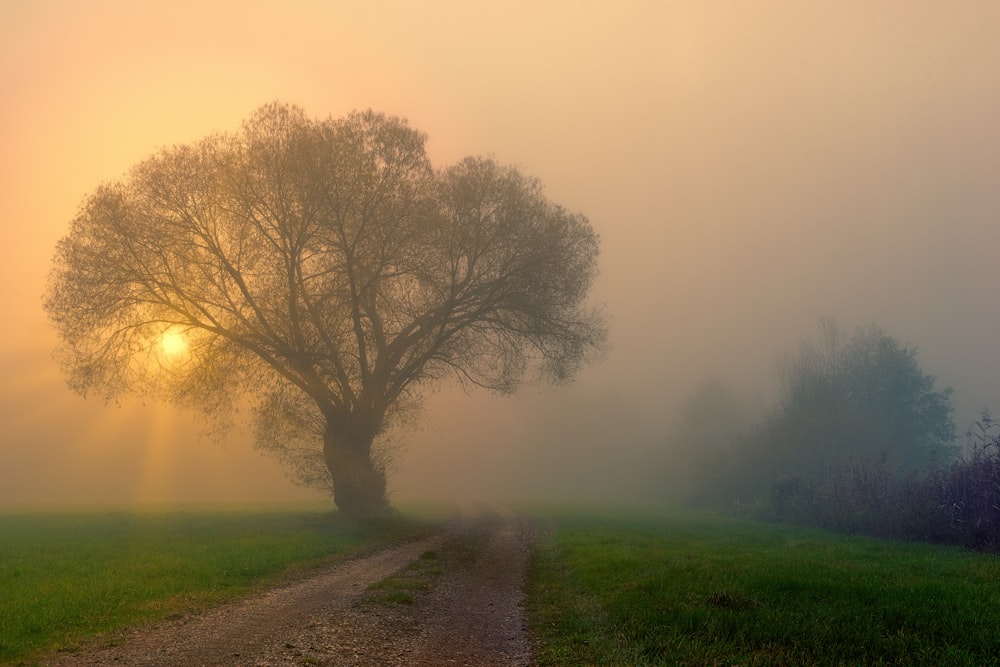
[(66, 577), (689, 589), (605, 588)]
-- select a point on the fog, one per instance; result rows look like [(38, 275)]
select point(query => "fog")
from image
[(750, 167)]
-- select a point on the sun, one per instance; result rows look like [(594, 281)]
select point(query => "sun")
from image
[(173, 344)]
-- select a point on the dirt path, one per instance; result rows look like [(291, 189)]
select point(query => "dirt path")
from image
[(462, 605)]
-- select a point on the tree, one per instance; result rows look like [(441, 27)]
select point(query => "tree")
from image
[(323, 271), (710, 414), (686, 461), (861, 397), (845, 404)]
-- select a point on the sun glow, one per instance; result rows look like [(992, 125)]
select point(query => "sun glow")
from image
[(173, 345)]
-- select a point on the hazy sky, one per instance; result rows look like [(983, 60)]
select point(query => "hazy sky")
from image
[(750, 167)]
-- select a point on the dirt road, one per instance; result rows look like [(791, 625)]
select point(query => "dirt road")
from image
[(456, 599)]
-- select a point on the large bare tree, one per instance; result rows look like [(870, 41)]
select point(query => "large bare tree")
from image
[(323, 271)]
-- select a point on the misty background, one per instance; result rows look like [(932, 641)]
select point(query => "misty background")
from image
[(750, 167)]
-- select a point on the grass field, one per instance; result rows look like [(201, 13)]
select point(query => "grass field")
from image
[(66, 577), (612, 589), (704, 590)]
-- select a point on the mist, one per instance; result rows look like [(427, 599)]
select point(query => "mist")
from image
[(749, 168)]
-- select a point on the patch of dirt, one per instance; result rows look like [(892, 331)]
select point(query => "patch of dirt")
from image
[(458, 601)]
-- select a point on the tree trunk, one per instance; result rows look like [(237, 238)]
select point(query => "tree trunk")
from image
[(359, 488)]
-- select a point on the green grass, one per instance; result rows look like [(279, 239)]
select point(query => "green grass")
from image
[(64, 578), (706, 590), (419, 576), (401, 587)]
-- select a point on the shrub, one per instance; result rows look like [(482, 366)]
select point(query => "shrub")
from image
[(958, 504)]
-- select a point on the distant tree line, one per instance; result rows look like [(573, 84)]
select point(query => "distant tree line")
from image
[(859, 440)]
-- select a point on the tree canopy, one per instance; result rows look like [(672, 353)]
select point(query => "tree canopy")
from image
[(326, 272), (844, 401), (862, 397)]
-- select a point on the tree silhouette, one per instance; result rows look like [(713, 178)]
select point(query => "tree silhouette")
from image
[(323, 271), (861, 397)]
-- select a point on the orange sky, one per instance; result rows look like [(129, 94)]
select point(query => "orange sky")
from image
[(749, 166)]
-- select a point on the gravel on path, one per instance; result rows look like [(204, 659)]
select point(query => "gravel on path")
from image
[(471, 613)]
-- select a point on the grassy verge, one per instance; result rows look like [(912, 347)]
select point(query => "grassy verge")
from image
[(417, 578), (400, 588), (66, 577), (705, 590)]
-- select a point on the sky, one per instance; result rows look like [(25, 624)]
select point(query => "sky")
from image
[(749, 166)]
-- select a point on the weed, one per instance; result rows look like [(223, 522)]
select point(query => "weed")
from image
[(396, 597), (730, 600), (399, 582), (400, 587)]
